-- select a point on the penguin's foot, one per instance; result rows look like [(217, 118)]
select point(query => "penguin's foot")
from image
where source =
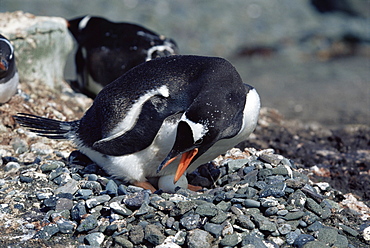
[(194, 188), (145, 185)]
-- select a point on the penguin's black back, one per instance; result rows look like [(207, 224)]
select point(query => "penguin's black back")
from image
[(194, 82)]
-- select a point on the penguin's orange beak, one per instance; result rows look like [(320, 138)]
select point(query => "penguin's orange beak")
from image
[(185, 161)]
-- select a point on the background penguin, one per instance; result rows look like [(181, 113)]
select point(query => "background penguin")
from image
[(106, 50), (8, 71), (164, 117)]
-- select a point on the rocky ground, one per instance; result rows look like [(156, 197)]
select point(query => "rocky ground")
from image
[(300, 185)]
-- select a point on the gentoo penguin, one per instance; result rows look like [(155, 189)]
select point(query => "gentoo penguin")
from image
[(8, 71), (106, 50), (164, 117)]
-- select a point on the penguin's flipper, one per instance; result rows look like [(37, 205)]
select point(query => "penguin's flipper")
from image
[(142, 134)]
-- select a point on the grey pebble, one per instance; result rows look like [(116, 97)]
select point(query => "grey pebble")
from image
[(111, 188), (303, 239), (63, 204), (284, 229), (51, 165), (206, 210), (263, 223), (70, 187), (84, 194), (123, 242), (66, 226), (120, 209), (327, 235), (12, 166), (94, 239), (154, 235), (235, 165), (190, 221), (25, 179), (249, 203), (214, 229), (246, 222), (313, 206), (93, 202), (252, 240), (87, 224), (349, 230), (294, 215), (231, 240), (136, 234), (316, 244), (199, 239), (47, 232), (78, 210)]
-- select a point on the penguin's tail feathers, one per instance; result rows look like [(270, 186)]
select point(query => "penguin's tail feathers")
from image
[(46, 127)]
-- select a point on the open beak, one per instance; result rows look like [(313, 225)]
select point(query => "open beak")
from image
[(185, 161)]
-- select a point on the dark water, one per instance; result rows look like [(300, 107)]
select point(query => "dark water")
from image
[(334, 92)]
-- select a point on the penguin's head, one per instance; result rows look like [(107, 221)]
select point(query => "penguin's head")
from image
[(6, 56), (204, 133)]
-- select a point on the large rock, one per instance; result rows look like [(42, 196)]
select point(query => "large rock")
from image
[(41, 46)]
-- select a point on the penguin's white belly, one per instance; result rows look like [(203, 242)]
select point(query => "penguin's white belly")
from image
[(143, 164)]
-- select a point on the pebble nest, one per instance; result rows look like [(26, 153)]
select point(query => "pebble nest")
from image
[(51, 195)]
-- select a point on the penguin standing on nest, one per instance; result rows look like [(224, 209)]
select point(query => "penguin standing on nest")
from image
[(8, 71), (161, 119), (106, 50)]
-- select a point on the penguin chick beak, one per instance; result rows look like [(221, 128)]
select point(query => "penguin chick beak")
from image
[(185, 161)]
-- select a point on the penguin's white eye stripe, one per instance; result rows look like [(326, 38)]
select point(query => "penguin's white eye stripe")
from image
[(198, 129), (133, 113), (83, 22), (10, 45)]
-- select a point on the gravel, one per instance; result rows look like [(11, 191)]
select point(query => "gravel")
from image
[(258, 199)]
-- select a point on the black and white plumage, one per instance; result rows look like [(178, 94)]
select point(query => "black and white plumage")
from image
[(106, 50), (191, 107), (8, 71)]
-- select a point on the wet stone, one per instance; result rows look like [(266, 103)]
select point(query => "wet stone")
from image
[(303, 239), (94, 239), (316, 226)]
